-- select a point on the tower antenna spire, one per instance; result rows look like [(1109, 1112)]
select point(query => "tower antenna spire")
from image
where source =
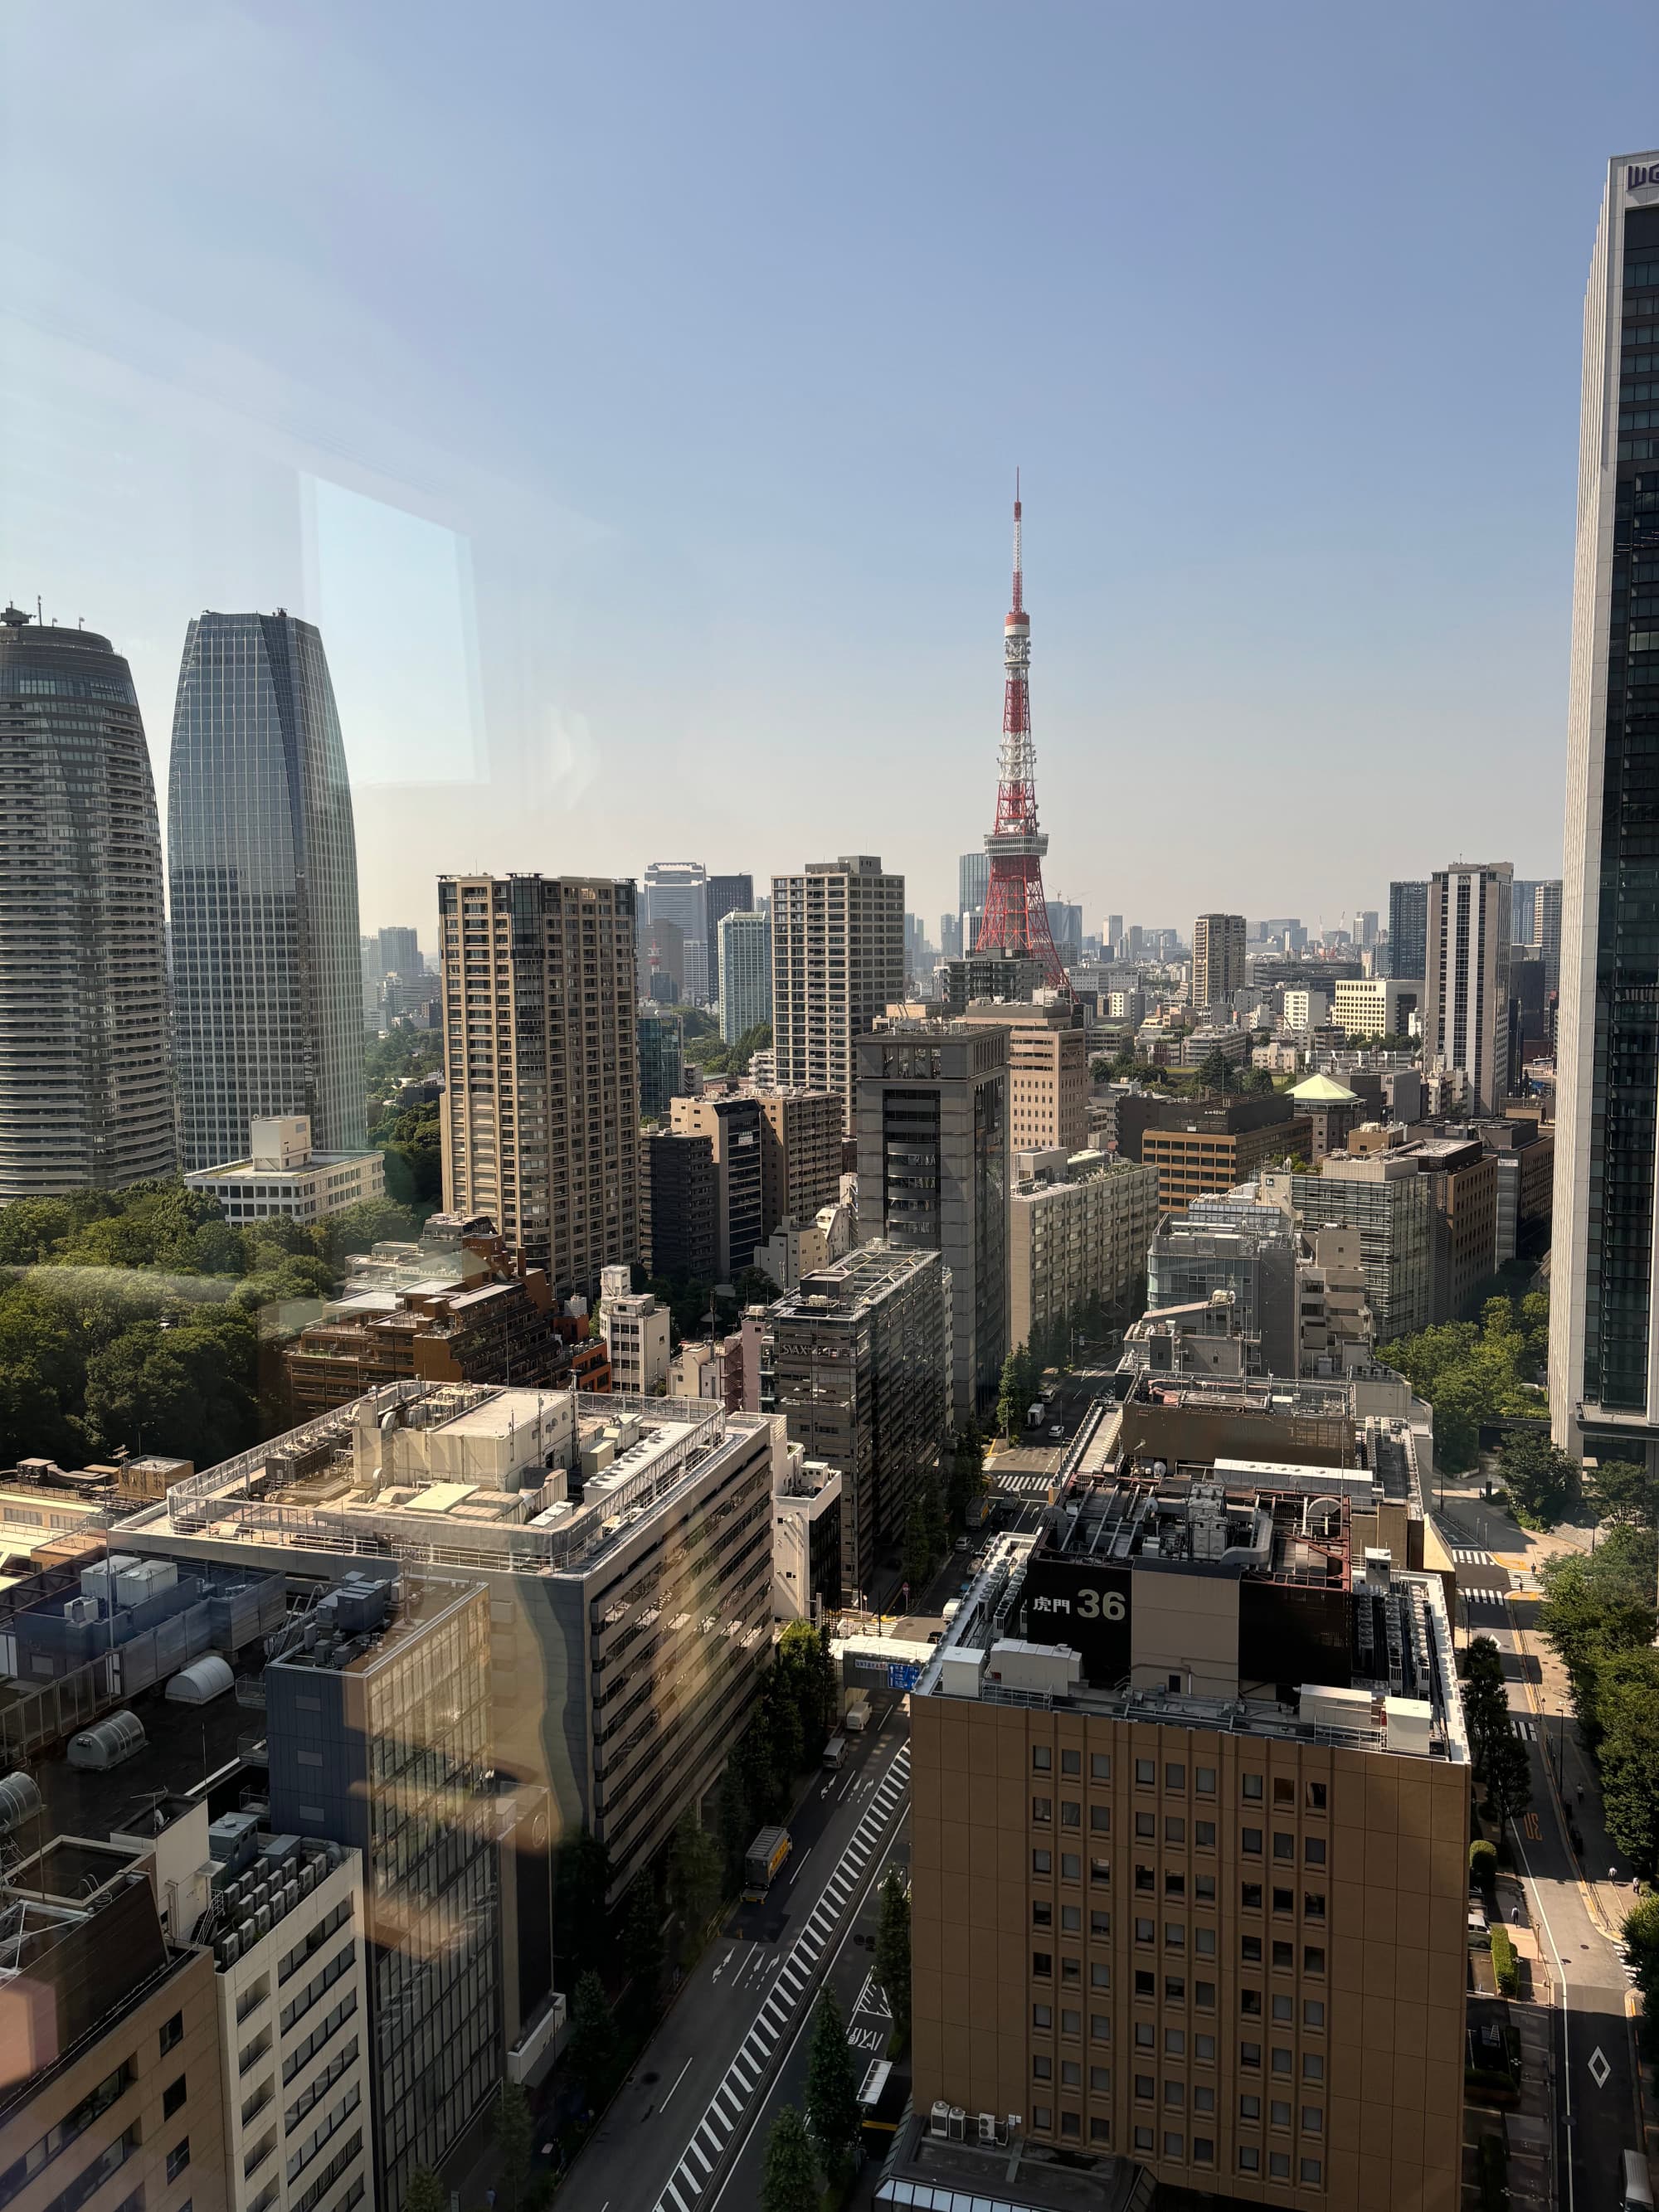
[(1016, 918)]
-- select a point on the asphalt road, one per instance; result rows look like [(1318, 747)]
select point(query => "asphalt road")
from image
[(1596, 2110), (693, 2091), (868, 2026)]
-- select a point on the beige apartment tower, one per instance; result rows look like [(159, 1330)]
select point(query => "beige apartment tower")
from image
[(1047, 1074), (1217, 958), (541, 1113), (837, 962)]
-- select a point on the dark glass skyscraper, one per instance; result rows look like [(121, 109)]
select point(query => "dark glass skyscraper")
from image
[(1408, 929), (86, 1090), (1604, 1340), (262, 861)]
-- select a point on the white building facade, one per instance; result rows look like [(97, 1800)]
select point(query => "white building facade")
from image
[(281, 1176), (746, 966)]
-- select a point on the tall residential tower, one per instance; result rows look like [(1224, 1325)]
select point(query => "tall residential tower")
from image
[(262, 864), (86, 1091), (541, 1113), (1604, 1351), (837, 961)]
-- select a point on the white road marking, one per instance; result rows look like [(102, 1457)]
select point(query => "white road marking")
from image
[(678, 2078), (799, 1863)]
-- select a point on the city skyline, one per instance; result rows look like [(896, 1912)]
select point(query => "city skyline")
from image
[(580, 623)]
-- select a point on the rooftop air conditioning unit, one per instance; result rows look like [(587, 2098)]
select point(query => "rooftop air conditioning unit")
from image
[(958, 2123), (987, 2127), (939, 2122)]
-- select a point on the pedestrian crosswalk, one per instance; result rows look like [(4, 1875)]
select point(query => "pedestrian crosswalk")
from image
[(1025, 1486), (1487, 1596), (1526, 1729), (752, 2069), (1465, 1555)]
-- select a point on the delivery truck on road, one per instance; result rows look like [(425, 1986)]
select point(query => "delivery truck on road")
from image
[(761, 1862)]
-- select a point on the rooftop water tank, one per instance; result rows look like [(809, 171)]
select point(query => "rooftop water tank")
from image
[(107, 1742), (19, 1799), (203, 1680)]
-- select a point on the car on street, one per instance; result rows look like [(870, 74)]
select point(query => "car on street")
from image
[(1057, 1431)]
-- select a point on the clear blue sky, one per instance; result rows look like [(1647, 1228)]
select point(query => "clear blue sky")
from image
[(635, 394)]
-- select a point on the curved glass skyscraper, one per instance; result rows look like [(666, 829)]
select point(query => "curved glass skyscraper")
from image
[(262, 861), (85, 1091)]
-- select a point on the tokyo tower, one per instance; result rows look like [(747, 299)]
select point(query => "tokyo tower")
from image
[(1016, 912)]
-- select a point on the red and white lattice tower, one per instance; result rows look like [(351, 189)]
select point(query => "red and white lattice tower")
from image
[(1016, 912)]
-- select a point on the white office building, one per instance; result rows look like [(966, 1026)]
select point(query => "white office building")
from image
[(635, 1330), (1466, 990), (283, 1177), (1604, 1326), (745, 972)]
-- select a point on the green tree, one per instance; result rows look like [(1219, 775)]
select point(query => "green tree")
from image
[(918, 1555), (753, 1286), (791, 2179), (736, 1819), (1624, 1492), (799, 1659), (832, 2091), (425, 2192), (581, 1877), (513, 2132), (1486, 1699), (1216, 1072), (1596, 1608), (892, 1960), (967, 1472), (939, 1528), (1508, 1776), (1542, 1482), (694, 1882), (592, 2048), (642, 1954), (1628, 1710), (1640, 1934), (1017, 1390), (786, 1738)]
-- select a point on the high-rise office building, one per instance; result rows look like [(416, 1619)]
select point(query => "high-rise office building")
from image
[(856, 1359), (1466, 990), (744, 942), (676, 891), (1544, 934), (1604, 1380), (1114, 932), (86, 1089), (1408, 928), (1217, 958), (734, 1126), (972, 881), (933, 1172), (837, 962), (661, 1037), (261, 866), (541, 1109), (800, 1155), (1523, 890), (726, 895), (380, 1740), (1048, 1073), (399, 953), (950, 937)]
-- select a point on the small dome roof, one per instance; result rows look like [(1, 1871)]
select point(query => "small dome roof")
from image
[(1325, 1091)]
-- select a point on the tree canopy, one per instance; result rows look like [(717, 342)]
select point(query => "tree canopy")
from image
[(1476, 1371)]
